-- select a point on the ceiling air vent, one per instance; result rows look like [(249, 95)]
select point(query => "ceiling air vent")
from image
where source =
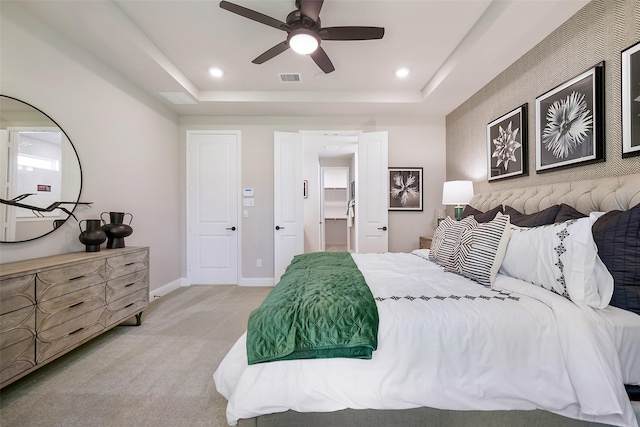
[(290, 77)]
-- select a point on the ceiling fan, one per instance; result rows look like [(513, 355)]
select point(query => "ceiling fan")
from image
[(304, 31)]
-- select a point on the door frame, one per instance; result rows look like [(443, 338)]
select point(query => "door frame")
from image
[(239, 198)]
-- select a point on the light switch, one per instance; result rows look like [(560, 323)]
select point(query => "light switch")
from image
[(245, 213), (247, 202)]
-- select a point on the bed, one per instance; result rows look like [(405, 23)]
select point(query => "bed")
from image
[(456, 351)]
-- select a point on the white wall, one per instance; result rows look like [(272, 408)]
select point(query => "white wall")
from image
[(413, 142), (126, 141)]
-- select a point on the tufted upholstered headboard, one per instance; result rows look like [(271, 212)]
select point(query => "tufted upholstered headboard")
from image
[(592, 195)]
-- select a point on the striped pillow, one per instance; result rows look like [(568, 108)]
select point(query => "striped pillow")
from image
[(438, 237), (451, 240), (481, 250)]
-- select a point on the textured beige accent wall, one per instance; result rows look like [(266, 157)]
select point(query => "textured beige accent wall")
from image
[(598, 32)]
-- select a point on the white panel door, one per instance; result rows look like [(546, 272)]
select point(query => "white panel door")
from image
[(212, 207), (372, 193), (288, 200)]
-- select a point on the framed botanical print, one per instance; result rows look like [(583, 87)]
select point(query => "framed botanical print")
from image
[(631, 101), (405, 189), (507, 145), (570, 122)]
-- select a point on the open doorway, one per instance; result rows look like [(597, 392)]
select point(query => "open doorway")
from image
[(324, 222), (334, 206)]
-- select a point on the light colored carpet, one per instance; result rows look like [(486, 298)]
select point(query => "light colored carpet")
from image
[(156, 374)]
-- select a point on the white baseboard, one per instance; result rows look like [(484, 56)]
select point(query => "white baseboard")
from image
[(256, 281), (169, 287)]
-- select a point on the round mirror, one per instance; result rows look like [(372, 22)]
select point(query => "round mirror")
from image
[(40, 174)]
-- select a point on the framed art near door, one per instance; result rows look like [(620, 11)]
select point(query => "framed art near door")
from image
[(631, 101), (570, 122), (405, 189), (507, 145)]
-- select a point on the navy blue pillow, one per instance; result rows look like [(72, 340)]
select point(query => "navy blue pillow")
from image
[(617, 235)]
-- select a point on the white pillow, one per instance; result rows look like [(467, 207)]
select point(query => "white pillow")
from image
[(562, 258), (481, 249)]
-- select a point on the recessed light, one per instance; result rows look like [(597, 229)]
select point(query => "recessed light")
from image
[(216, 72), (402, 72)]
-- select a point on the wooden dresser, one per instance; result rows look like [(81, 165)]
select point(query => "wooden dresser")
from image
[(51, 305)]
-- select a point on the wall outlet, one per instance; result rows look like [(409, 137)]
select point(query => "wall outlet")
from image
[(259, 263)]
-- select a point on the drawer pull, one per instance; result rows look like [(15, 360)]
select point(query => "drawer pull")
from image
[(76, 331), (129, 263), (76, 304), (132, 283), (128, 305), (76, 278)]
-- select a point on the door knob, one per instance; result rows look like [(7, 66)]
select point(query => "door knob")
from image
[(279, 228), (231, 228), (383, 228)]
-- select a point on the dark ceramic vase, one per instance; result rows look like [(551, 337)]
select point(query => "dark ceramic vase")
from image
[(93, 236), (116, 230)]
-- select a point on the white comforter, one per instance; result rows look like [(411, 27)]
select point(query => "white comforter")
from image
[(461, 347)]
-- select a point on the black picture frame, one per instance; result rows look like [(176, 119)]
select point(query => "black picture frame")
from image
[(405, 189), (507, 145), (570, 122), (630, 60)]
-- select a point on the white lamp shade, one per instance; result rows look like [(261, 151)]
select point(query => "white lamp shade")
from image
[(457, 192)]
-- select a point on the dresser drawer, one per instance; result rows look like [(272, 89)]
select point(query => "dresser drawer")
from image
[(17, 326), (121, 265), (68, 335), (17, 293), (125, 285), (59, 310), (16, 359), (123, 308), (54, 283)]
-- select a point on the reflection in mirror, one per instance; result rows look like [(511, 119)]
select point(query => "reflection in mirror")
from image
[(39, 167)]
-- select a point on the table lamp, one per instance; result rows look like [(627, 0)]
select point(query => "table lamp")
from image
[(457, 193)]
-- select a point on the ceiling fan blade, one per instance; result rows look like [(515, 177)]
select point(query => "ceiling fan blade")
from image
[(351, 33), (321, 58), (311, 8), (274, 51), (253, 15)]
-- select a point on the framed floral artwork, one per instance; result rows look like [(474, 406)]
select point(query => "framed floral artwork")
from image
[(570, 122), (405, 189), (507, 145), (631, 101)]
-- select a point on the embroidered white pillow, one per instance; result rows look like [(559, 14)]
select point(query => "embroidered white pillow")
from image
[(562, 258), (482, 249)]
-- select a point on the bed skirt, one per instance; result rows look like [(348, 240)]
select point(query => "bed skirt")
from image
[(418, 417)]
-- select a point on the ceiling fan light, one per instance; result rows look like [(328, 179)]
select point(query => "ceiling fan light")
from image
[(303, 43)]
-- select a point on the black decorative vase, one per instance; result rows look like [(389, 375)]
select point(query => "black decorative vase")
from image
[(93, 236), (116, 230)]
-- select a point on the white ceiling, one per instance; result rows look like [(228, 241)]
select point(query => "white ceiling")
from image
[(452, 47)]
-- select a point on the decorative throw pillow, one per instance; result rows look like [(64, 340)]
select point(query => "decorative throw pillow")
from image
[(566, 213), (438, 237), (617, 235), (544, 217), (481, 249), (479, 215), (451, 240), (562, 258)]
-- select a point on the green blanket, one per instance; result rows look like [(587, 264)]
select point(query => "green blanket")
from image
[(322, 307)]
